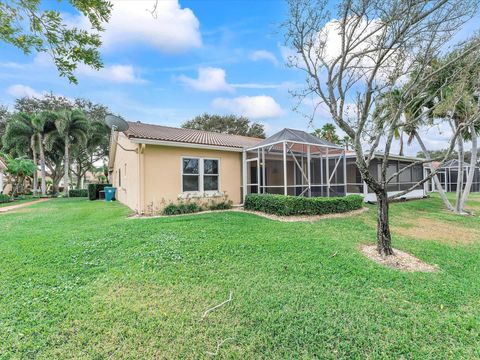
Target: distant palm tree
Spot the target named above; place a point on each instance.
(20, 137)
(72, 127)
(328, 132)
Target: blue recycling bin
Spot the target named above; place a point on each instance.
(109, 193)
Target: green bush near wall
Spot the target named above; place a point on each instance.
(94, 190)
(284, 205)
(182, 208)
(78, 193)
(4, 198)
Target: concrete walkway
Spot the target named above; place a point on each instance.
(13, 207)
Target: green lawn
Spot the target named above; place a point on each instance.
(80, 280)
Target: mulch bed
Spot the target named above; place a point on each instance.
(400, 260)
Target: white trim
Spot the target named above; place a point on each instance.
(292, 142)
(186, 145)
(200, 192)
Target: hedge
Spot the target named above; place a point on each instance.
(78, 193)
(4, 198)
(285, 205)
(182, 208)
(94, 190)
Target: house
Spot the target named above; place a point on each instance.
(3, 167)
(152, 166)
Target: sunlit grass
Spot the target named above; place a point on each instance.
(79, 279)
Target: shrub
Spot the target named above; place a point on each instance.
(4, 198)
(224, 205)
(78, 193)
(181, 208)
(94, 190)
(296, 205)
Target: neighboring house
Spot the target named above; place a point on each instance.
(152, 166)
(3, 167)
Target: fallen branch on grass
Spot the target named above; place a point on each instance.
(220, 343)
(230, 298)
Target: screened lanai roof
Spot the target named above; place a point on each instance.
(454, 164)
(294, 136)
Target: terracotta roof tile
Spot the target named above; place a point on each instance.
(165, 133)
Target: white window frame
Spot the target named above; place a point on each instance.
(201, 175)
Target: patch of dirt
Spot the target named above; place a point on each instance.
(18, 206)
(400, 260)
(430, 229)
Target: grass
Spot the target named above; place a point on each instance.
(80, 280)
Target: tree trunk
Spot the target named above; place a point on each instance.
(43, 172)
(400, 153)
(438, 185)
(384, 238)
(471, 172)
(79, 181)
(66, 178)
(35, 161)
(461, 164)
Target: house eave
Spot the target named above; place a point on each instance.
(183, 144)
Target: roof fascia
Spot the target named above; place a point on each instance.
(186, 145)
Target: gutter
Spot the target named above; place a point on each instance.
(186, 145)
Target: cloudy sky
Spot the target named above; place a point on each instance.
(193, 57)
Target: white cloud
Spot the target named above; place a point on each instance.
(169, 29)
(112, 73)
(264, 55)
(209, 79)
(254, 107)
(20, 90)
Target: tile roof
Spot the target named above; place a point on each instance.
(165, 133)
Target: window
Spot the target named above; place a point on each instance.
(200, 174)
(191, 174)
(119, 178)
(210, 175)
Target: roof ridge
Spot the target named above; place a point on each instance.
(186, 129)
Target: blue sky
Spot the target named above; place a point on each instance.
(197, 56)
(194, 56)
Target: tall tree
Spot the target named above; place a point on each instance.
(95, 149)
(365, 50)
(227, 124)
(43, 123)
(33, 26)
(72, 127)
(4, 114)
(83, 157)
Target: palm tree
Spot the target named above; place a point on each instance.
(21, 137)
(43, 123)
(328, 132)
(72, 127)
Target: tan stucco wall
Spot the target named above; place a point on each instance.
(151, 178)
(163, 176)
(128, 163)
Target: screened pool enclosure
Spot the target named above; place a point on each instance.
(293, 162)
(448, 177)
